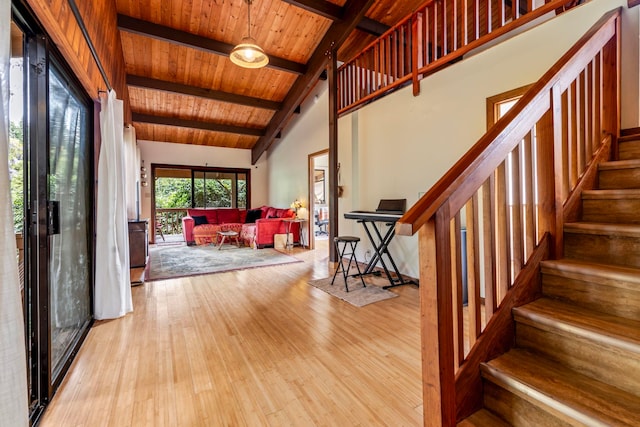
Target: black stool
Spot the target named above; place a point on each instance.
(352, 242)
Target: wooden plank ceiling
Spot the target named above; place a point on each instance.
(184, 89)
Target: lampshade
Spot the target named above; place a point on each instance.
(248, 54)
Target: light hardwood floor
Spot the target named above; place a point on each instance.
(257, 347)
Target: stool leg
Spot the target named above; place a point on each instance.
(353, 250)
(353, 259)
(340, 266)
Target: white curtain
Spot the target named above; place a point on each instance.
(132, 173)
(13, 372)
(112, 296)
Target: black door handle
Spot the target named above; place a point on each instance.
(53, 217)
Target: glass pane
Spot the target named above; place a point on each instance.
(172, 197)
(69, 185)
(220, 189)
(223, 189)
(198, 190)
(242, 190)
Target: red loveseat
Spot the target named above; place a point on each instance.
(201, 226)
(261, 233)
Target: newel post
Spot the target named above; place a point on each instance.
(437, 344)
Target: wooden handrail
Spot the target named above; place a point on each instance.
(499, 211)
(475, 165)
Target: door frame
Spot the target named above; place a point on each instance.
(39, 55)
(310, 169)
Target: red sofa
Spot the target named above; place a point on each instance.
(258, 234)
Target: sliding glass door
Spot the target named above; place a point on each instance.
(69, 210)
(53, 205)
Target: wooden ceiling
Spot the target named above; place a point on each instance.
(184, 89)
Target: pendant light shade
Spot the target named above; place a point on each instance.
(248, 54)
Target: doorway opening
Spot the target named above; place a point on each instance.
(318, 197)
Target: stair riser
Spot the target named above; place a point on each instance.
(612, 365)
(516, 410)
(603, 249)
(629, 150)
(611, 210)
(618, 301)
(619, 179)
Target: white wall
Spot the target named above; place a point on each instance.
(398, 146)
(199, 155)
(287, 161)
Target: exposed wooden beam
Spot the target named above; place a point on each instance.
(319, 7)
(183, 38)
(335, 13)
(217, 95)
(354, 10)
(195, 124)
(372, 27)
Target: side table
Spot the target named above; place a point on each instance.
(290, 221)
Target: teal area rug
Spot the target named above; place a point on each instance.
(167, 262)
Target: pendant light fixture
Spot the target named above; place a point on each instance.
(248, 54)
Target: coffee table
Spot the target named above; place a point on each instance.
(231, 235)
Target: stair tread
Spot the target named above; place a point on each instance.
(613, 275)
(585, 400)
(629, 138)
(571, 319)
(483, 418)
(586, 227)
(619, 164)
(628, 193)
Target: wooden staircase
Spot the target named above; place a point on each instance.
(576, 359)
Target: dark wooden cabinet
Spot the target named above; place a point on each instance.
(138, 243)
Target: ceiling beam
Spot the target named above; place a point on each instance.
(195, 124)
(171, 35)
(216, 95)
(335, 13)
(375, 28)
(354, 10)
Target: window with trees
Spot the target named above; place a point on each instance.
(176, 188)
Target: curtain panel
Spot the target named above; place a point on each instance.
(112, 296)
(13, 374)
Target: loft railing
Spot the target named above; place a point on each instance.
(511, 193)
(436, 34)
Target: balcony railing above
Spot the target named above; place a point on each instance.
(438, 33)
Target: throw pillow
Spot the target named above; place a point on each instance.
(199, 220)
(253, 215)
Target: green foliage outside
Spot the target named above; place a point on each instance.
(175, 193)
(16, 174)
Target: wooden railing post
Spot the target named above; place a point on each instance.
(414, 54)
(437, 371)
(431, 390)
(611, 89)
(549, 183)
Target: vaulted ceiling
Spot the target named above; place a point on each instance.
(184, 88)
